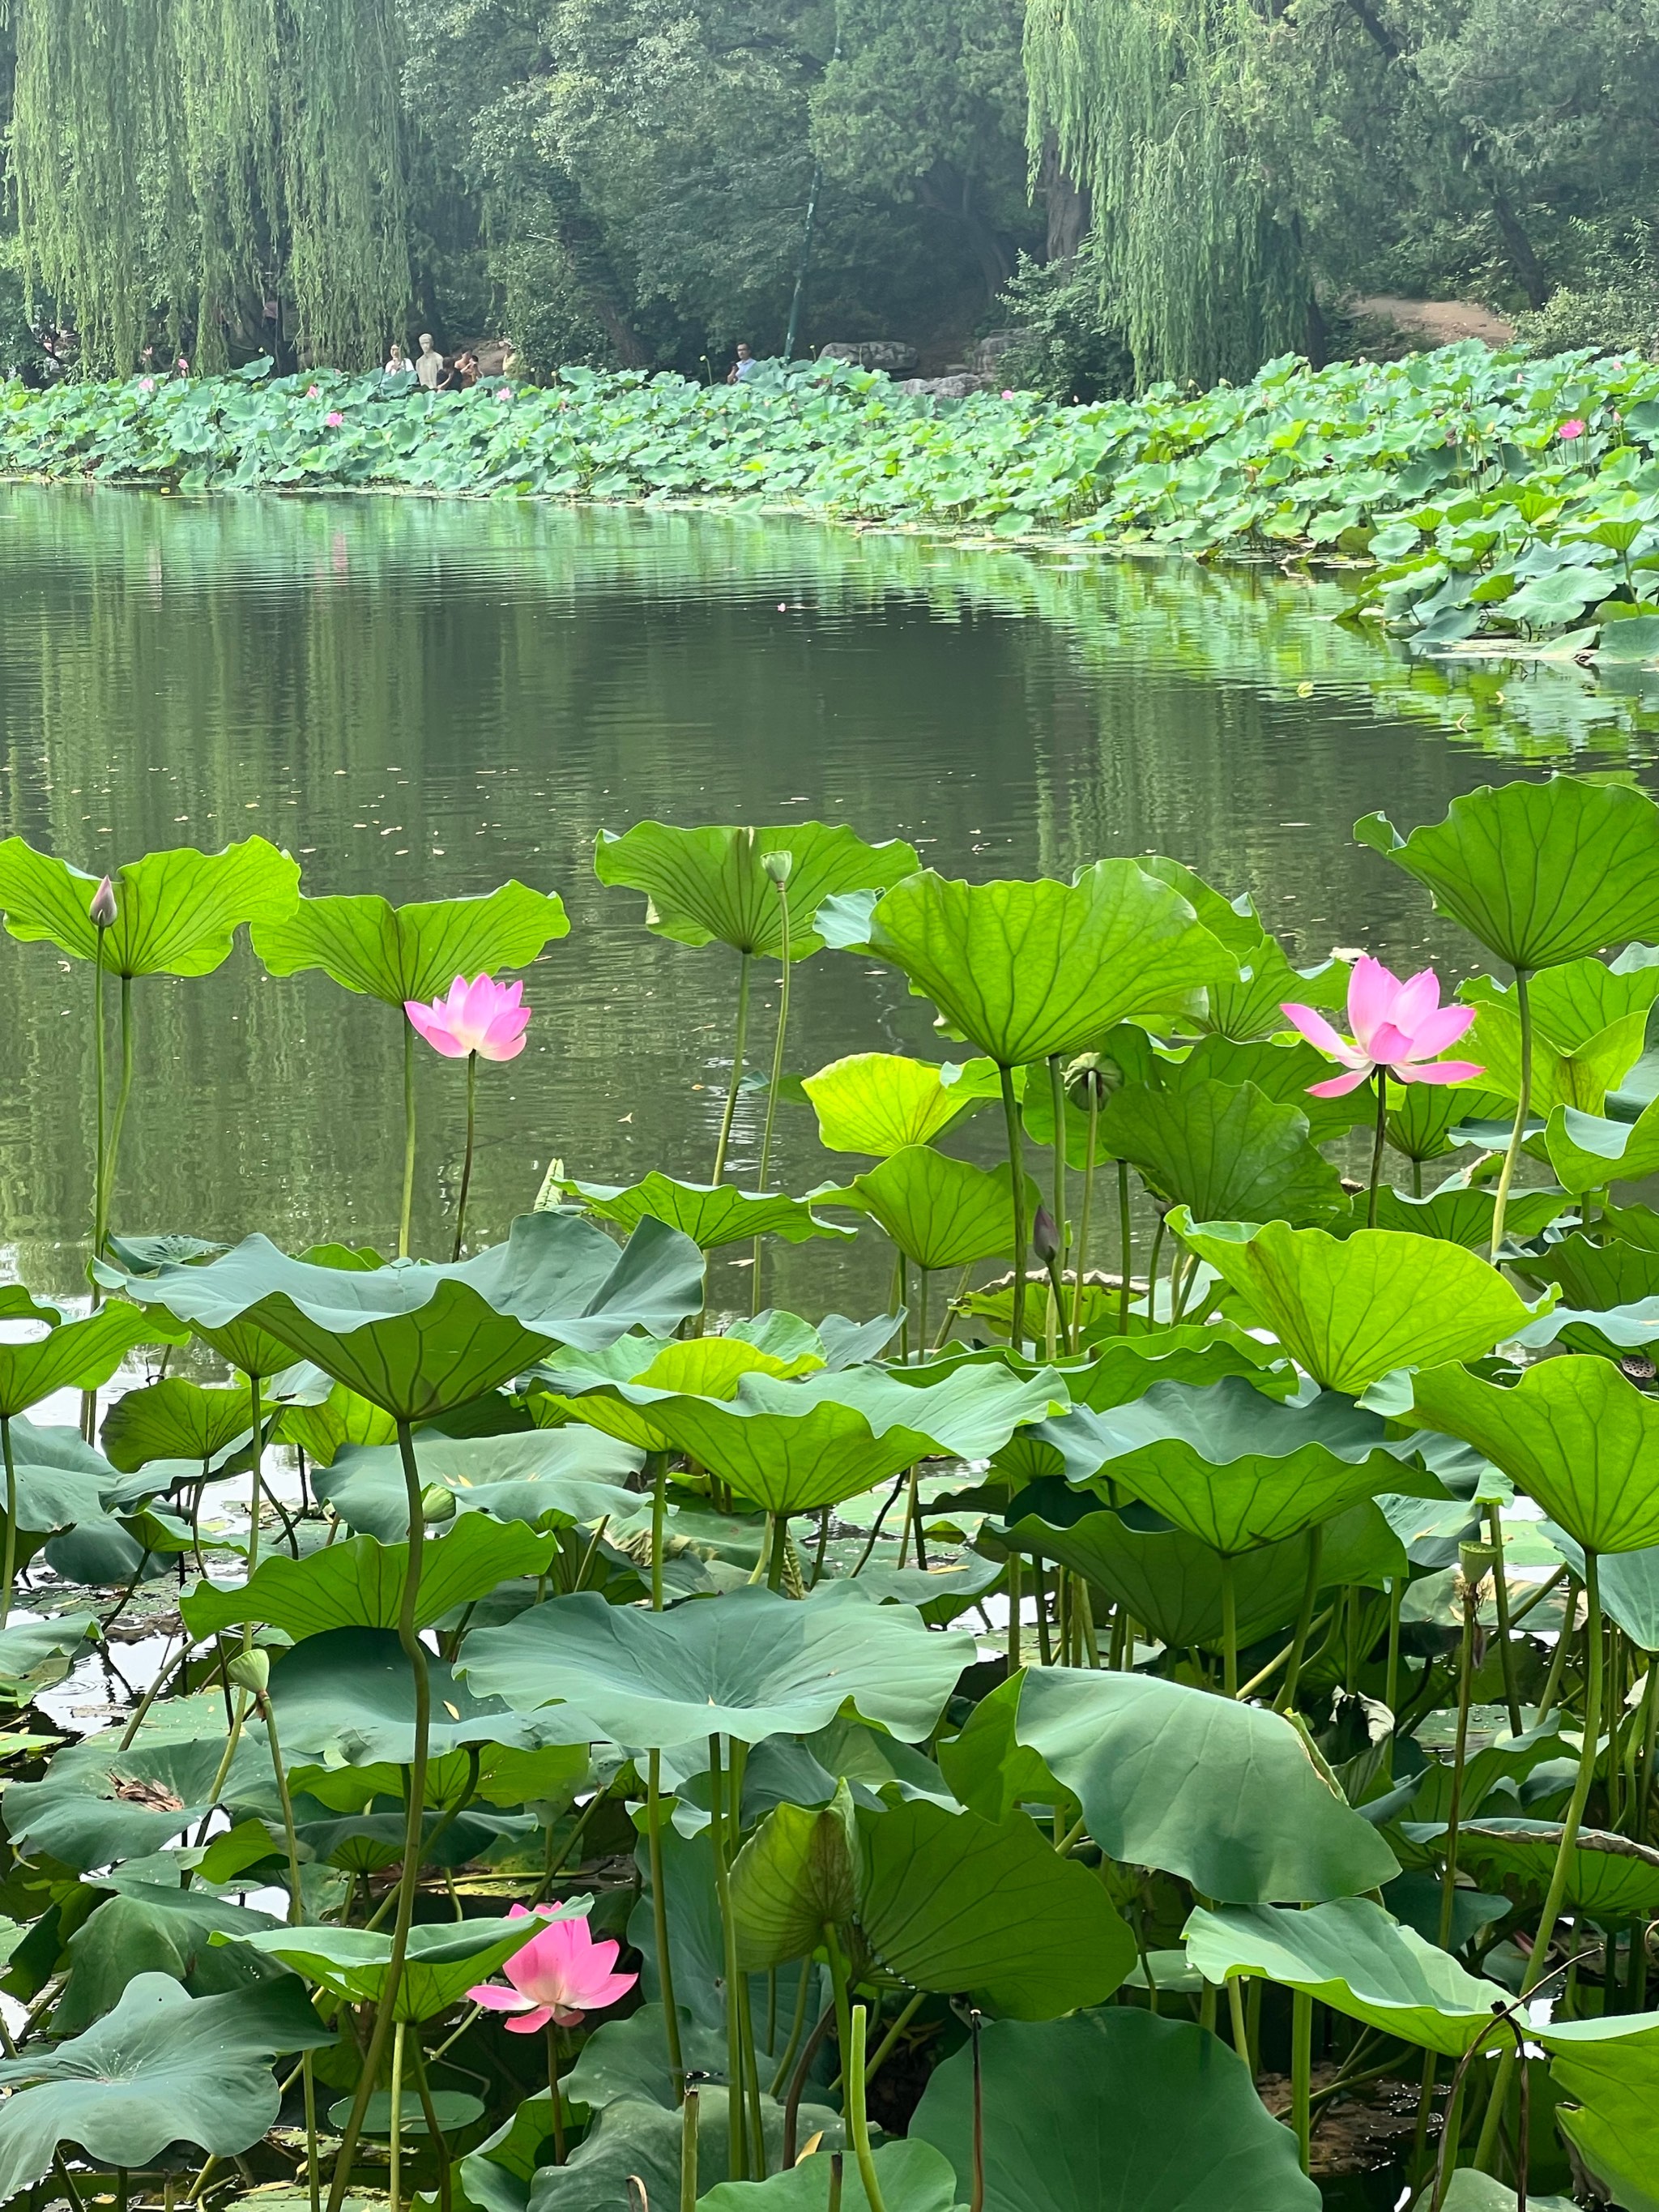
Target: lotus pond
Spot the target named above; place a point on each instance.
(941, 1543)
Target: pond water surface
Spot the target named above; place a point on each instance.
(423, 698)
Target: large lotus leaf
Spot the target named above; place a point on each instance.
(1422, 1115)
(1224, 1151)
(61, 1481)
(709, 885)
(445, 1958)
(161, 2067)
(1224, 1795)
(1459, 1213)
(940, 1212)
(1358, 1959)
(35, 1654)
(418, 1340)
(75, 1355)
(1171, 1583)
(955, 1903)
(549, 1478)
(395, 953)
(1580, 1079)
(710, 1214)
(636, 2140)
(878, 1103)
(911, 2177)
(1572, 1433)
(175, 1418)
(1469, 2191)
(1121, 1368)
(696, 1367)
(748, 1665)
(176, 912)
(797, 1873)
(1282, 1066)
(1629, 1584)
(359, 1583)
(1237, 1468)
(1593, 1274)
(1541, 872)
(1112, 2111)
(150, 1929)
(97, 1805)
(793, 1446)
(1610, 1878)
(343, 1417)
(1024, 969)
(1252, 1005)
(1581, 999)
(1587, 1152)
(1611, 2066)
(1352, 1310)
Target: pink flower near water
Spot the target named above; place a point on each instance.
(483, 1016)
(558, 1976)
(1570, 430)
(1007, 395)
(506, 392)
(314, 391)
(1397, 1026)
(147, 383)
(334, 418)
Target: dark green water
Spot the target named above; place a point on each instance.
(422, 698)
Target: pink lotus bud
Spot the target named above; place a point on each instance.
(314, 391)
(1572, 429)
(1045, 1235)
(102, 909)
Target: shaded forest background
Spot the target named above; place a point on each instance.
(1152, 189)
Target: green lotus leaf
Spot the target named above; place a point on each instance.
(1251, 1005)
(397, 952)
(97, 1805)
(359, 1583)
(1581, 1078)
(176, 1419)
(1469, 2191)
(1284, 1067)
(636, 2139)
(1541, 874)
(1580, 999)
(942, 1212)
(1358, 1959)
(61, 1481)
(1611, 1880)
(1593, 1274)
(419, 1341)
(444, 1959)
(1458, 1214)
(799, 1871)
(911, 2177)
(1224, 1795)
(1236, 1468)
(698, 1367)
(34, 1654)
(343, 1417)
(1608, 1332)
(1629, 1583)
(748, 1665)
(1024, 969)
(1611, 2066)
(1422, 1115)
(708, 885)
(161, 2067)
(148, 1929)
(1122, 1368)
(1572, 1433)
(1351, 1310)
(73, 1355)
(549, 1478)
(1226, 1151)
(142, 1256)
(954, 1903)
(1112, 2111)
(1587, 1152)
(878, 1102)
(176, 913)
(710, 1214)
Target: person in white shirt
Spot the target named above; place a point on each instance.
(429, 366)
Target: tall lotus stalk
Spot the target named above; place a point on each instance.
(1016, 1170)
(480, 1020)
(102, 911)
(1523, 1106)
(777, 867)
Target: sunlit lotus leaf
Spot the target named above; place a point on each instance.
(176, 912)
(395, 953)
(343, 1417)
(748, 1665)
(710, 1214)
(1581, 1000)
(62, 1482)
(1593, 1272)
(358, 1582)
(1421, 1115)
(1024, 969)
(142, 1255)
(638, 2140)
(1224, 1795)
(1610, 2066)
(1612, 1880)
(1588, 1152)
(549, 1479)
(1469, 2191)
(1121, 1368)
(1252, 1005)
(1541, 874)
(911, 2177)
(1581, 1078)
(801, 1868)
(176, 1419)
(1629, 1585)
(1226, 1151)
(1351, 1310)
(98, 1804)
(1460, 1214)
(878, 1103)
(1358, 1959)
(1112, 2111)
(35, 1654)
(697, 1367)
(942, 1212)
(1572, 1433)
(1282, 1066)
(161, 2067)
(418, 1340)
(446, 1958)
(72, 1355)
(708, 885)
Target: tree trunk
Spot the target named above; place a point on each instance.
(949, 192)
(1067, 204)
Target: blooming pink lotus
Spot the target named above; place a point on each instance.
(483, 1016)
(558, 1976)
(1397, 1026)
(1575, 428)
(334, 419)
(314, 391)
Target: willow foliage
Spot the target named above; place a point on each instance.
(1145, 101)
(186, 158)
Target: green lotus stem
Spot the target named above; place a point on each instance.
(409, 1880)
(904, 1308)
(394, 2187)
(1235, 2017)
(921, 1313)
(1022, 1231)
(842, 1997)
(1649, 1747)
(314, 2177)
(1377, 1144)
(658, 1463)
(1287, 1697)
(852, 2096)
(777, 1078)
(752, 2076)
(1124, 1227)
(1500, 1202)
(554, 2097)
(424, 2091)
(738, 1037)
(295, 1906)
(1015, 1565)
(9, 1570)
(777, 1530)
(101, 1159)
(1229, 1627)
(466, 1164)
(407, 1209)
(1080, 1266)
(885, 2048)
(1151, 1271)
(689, 2153)
(1057, 1101)
(1302, 2008)
(119, 1119)
(837, 2161)
(1459, 1755)
(738, 2149)
(1506, 1646)
(803, 1988)
(1551, 1688)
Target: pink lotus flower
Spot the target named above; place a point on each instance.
(1007, 395)
(483, 1016)
(334, 419)
(558, 1976)
(1397, 1026)
(506, 392)
(1573, 429)
(314, 391)
(147, 383)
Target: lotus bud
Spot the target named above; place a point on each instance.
(102, 909)
(1092, 1072)
(437, 1502)
(1475, 1562)
(1045, 1235)
(251, 1671)
(778, 866)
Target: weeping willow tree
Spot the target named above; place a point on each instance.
(1147, 103)
(180, 163)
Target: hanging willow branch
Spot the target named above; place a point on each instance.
(175, 160)
(1146, 100)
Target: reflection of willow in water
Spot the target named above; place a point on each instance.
(424, 697)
